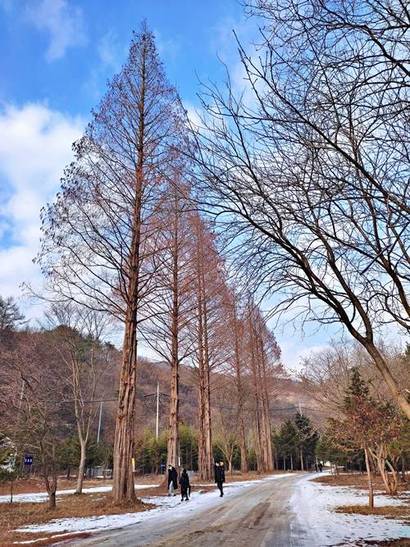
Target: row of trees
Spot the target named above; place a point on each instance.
(293, 446)
(124, 239)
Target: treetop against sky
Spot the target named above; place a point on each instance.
(56, 56)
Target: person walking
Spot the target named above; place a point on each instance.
(172, 480)
(220, 476)
(185, 486)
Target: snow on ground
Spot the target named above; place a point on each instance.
(38, 497)
(198, 501)
(314, 502)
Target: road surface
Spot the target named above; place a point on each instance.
(259, 514)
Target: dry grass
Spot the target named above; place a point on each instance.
(16, 515)
(32, 484)
(357, 480)
(390, 511)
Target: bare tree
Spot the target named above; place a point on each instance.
(308, 171)
(238, 332)
(33, 417)
(208, 350)
(76, 337)
(98, 238)
(171, 311)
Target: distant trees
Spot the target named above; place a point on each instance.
(34, 418)
(307, 170)
(8, 464)
(296, 443)
(307, 439)
(76, 340)
(10, 316)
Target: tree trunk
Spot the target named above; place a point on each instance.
(123, 479)
(301, 460)
(369, 478)
(207, 378)
(239, 392)
(81, 467)
(52, 500)
(173, 437)
(291, 462)
(172, 456)
(51, 487)
(205, 438)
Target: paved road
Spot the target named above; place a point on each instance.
(259, 514)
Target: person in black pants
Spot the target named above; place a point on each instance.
(220, 476)
(172, 480)
(185, 487)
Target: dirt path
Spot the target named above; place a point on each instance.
(256, 515)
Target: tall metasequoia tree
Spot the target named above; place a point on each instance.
(235, 335)
(98, 239)
(308, 169)
(170, 311)
(263, 355)
(209, 288)
(202, 334)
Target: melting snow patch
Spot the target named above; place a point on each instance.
(314, 504)
(39, 497)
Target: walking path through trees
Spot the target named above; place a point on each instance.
(282, 510)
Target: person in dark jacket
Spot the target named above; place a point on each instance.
(185, 486)
(172, 480)
(220, 476)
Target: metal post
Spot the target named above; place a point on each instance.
(99, 423)
(157, 417)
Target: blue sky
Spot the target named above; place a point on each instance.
(61, 52)
(55, 59)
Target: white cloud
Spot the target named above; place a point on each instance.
(63, 22)
(32, 158)
(296, 349)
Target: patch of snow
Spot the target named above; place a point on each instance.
(314, 504)
(38, 497)
(198, 502)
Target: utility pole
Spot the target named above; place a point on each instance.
(99, 423)
(158, 395)
(157, 416)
